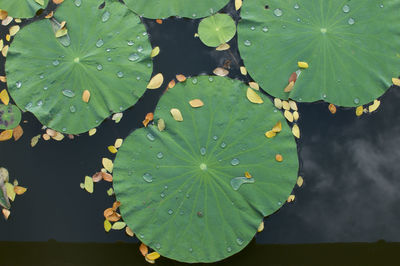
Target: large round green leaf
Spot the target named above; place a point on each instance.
(182, 8)
(352, 47)
(10, 116)
(180, 188)
(22, 8)
(217, 29)
(108, 55)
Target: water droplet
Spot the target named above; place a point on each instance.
(150, 137)
(137, 78)
(351, 21)
(120, 74)
(141, 235)
(64, 129)
(247, 43)
(210, 79)
(133, 57)
(223, 145)
(99, 43)
(72, 109)
(18, 84)
(78, 3)
(237, 182)
(109, 59)
(215, 138)
(68, 93)
(203, 151)
(229, 249)
(130, 43)
(148, 65)
(39, 103)
(140, 49)
(28, 106)
(187, 195)
(56, 63)
(106, 16)
(252, 28)
(298, 19)
(194, 80)
(194, 15)
(99, 67)
(323, 96)
(239, 241)
(235, 161)
(296, 6)
(381, 5)
(41, 76)
(162, 195)
(346, 8)
(356, 101)
(160, 155)
(265, 29)
(170, 211)
(278, 12)
(148, 177)
(45, 88)
(108, 50)
(182, 212)
(157, 246)
(190, 250)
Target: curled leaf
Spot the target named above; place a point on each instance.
(156, 81)
(373, 107)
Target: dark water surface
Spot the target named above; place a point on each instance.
(350, 166)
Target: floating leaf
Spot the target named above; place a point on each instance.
(176, 114)
(260, 227)
(107, 225)
(254, 85)
(180, 78)
(19, 190)
(6, 213)
(334, 44)
(156, 81)
(217, 29)
(118, 226)
(97, 177)
(86, 96)
(332, 108)
(300, 181)
(222, 72)
(110, 192)
(129, 232)
(396, 81)
(95, 59)
(143, 249)
(89, 184)
(92, 131)
(223, 47)
(156, 9)
(18, 132)
(153, 256)
(108, 164)
(196, 160)
(243, 70)
(6, 135)
(161, 124)
(21, 9)
(118, 143)
(359, 110)
(291, 198)
(195, 103)
(35, 140)
(278, 103)
(107, 177)
(10, 116)
(278, 127)
(238, 4)
(117, 117)
(253, 97)
(10, 191)
(296, 131)
(288, 115)
(373, 107)
(112, 149)
(270, 134)
(4, 97)
(155, 52)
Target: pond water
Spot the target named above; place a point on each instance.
(349, 164)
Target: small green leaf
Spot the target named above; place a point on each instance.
(89, 184)
(217, 29)
(10, 116)
(118, 225)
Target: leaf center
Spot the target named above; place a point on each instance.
(203, 166)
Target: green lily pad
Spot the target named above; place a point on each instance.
(4, 202)
(352, 48)
(183, 190)
(22, 8)
(217, 29)
(106, 52)
(10, 116)
(183, 8)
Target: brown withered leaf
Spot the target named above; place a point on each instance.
(18, 132)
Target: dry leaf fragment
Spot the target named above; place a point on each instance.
(359, 110)
(195, 103)
(176, 114)
(59, 136)
(243, 70)
(180, 78)
(159, 21)
(20, 190)
(107, 177)
(107, 226)
(293, 105)
(373, 107)
(288, 115)
(149, 117)
(108, 212)
(302, 65)
(161, 124)
(10, 191)
(260, 227)
(86, 96)
(89, 184)
(296, 131)
(3, 14)
(49, 15)
(18, 132)
(153, 255)
(278, 103)
(116, 205)
(129, 231)
(92, 131)
(396, 81)
(114, 217)
(332, 108)
(143, 249)
(4, 51)
(289, 87)
(6, 213)
(118, 143)
(253, 97)
(155, 52)
(254, 85)
(293, 77)
(108, 164)
(6, 135)
(57, 2)
(291, 198)
(171, 84)
(223, 47)
(222, 72)
(3, 78)
(118, 226)
(8, 37)
(51, 132)
(278, 127)
(247, 174)
(61, 32)
(300, 181)
(35, 140)
(97, 177)
(150, 261)
(4, 97)
(270, 134)
(156, 81)
(14, 29)
(279, 158)
(238, 4)
(110, 191)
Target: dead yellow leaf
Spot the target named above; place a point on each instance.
(260, 227)
(89, 184)
(20, 190)
(195, 103)
(278, 103)
(296, 131)
(253, 97)
(108, 164)
(3, 14)
(176, 114)
(373, 107)
(161, 124)
(8, 37)
(129, 232)
(156, 81)
(4, 97)
(57, 2)
(59, 136)
(254, 85)
(14, 29)
(61, 32)
(278, 127)
(291, 198)
(35, 140)
(180, 78)
(112, 149)
(116, 205)
(222, 72)
(285, 105)
(247, 174)
(6, 135)
(293, 105)
(296, 115)
(243, 70)
(155, 52)
(153, 256)
(92, 131)
(238, 4)
(300, 181)
(396, 81)
(86, 96)
(18, 132)
(289, 87)
(302, 65)
(270, 134)
(279, 158)
(223, 47)
(359, 110)
(332, 108)
(118, 143)
(107, 225)
(288, 115)
(3, 78)
(4, 51)
(171, 84)
(50, 14)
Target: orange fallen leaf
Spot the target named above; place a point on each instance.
(57, 2)
(97, 177)
(3, 14)
(332, 108)
(278, 127)
(50, 15)
(171, 84)
(18, 132)
(279, 158)
(159, 21)
(108, 212)
(114, 217)
(107, 177)
(180, 78)
(6, 135)
(6, 213)
(116, 204)
(19, 190)
(46, 137)
(86, 96)
(289, 87)
(143, 249)
(3, 79)
(129, 231)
